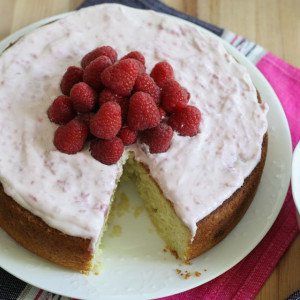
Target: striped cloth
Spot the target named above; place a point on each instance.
(244, 280)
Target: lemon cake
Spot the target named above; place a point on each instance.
(56, 205)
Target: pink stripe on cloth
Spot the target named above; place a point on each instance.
(285, 80)
(244, 280)
(234, 39)
(38, 294)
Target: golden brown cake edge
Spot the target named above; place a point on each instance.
(35, 235)
(217, 225)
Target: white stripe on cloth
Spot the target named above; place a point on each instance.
(252, 51)
(33, 293)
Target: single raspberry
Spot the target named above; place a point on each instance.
(107, 121)
(107, 152)
(104, 50)
(61, 111)
(186, 121)
(136, 55)
(161, 73)
(72, 76)
(107, 95)
(143, 112)
(120, 78)
(83, 97)
(158, 138)
(92, 73)
(127, 135)
(70, 138)
(145, 83)
(174, 97)
(162, 113)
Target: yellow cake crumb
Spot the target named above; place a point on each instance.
(197, 274)
(186, 274)
(116, 231)
(122, 206)
(138, 210)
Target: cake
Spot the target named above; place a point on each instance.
(56, 205)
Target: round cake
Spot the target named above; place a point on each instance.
(56, 205)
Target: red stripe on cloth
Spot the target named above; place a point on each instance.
(234, 39)
(38, 294)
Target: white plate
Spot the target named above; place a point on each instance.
(296, 179)
(135, 265)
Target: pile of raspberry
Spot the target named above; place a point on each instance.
(110, 103)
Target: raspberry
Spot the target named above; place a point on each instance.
(107, 95)
(70, 138)
(72, 76)
(145, 83)
(104, 50)
(174, 97)
(135, 55)
(186, 122)
(162, 113)
(158, 138)
(107, 152)
(107, 121)
(83, 97)
(161, 73)
(127, 135)
(120, 78)
(92, 73)
(143, 112)
(61, 111)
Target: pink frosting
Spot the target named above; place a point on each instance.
(72, 192)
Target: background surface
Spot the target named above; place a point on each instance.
(273, 24)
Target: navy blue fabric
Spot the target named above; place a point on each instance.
(295, 296)
(10, 286)
(160, 7)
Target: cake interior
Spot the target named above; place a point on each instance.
(169, 226)
(171, 229)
